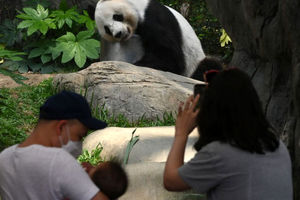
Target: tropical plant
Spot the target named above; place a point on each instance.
(36, 20)
(78, 47)
(53, 39)
(94, 158)
(10, 55)
(9, 33)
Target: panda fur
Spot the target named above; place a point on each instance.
(147, 33)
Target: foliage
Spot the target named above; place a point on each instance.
(16, 77)
(94, 158)
(78, 47)
(206, 26)
(131, 143)
(20, 112)
(52, 39)
(19, 117)
(36, 20)
(224, 39)
(10, 55)
(9, 33)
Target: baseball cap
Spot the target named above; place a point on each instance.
(69, 105)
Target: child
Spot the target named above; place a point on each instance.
(109, 176)
(207, 69)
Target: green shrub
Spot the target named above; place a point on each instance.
(206, 26)
(52, 39)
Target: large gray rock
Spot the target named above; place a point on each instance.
(129, 90)
(146, 161)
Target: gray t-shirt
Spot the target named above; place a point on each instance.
(228, 173)
(43, 173)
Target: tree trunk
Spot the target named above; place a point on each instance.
(266, 39)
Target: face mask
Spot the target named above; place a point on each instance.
(73, 147)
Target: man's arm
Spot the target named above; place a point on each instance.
(185, 123)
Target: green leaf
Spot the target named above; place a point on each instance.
(66, 38)
(80, 56)
(14, 66)
(23, 69)
(69, 22)
(16, 77)
(130, 145)
(41, 12)
(56, 52)
(35, 67)
(25, 24)
(31, 30)
(47, 70)
(45, 58)
(43, 28)
(68, 52)
(15, 58)
(31, 12)
(36, 52)
(83, 35)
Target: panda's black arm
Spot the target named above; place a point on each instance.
(162, 41)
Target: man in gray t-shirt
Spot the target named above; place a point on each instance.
(43, 166)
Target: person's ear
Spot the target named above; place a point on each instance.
(60, 126)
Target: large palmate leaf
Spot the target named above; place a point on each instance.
(79, 47)
(64, 17)
(85, 19)
(36, 20)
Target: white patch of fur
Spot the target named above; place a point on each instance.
(191, 46)
(104, 17)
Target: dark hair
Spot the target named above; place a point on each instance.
(208, 63)
(111, 179)
(231, 112)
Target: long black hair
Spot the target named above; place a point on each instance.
(231, 112)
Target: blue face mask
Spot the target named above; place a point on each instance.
(73, 147)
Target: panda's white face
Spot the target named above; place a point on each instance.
(116, 20)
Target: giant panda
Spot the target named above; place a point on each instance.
(147, 33)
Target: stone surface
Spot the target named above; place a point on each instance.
(146, 161)
(153, 146)
(126, 89)
(146, 183)
(266, 38)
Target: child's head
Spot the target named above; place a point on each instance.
(208, 68)
(111, 178)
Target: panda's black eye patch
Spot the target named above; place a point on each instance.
(118, 17)
(107, 30)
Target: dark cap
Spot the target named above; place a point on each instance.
(69, 105)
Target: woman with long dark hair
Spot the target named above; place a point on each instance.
(239, 156)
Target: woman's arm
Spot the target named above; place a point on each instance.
(185, 124)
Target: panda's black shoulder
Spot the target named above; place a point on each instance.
(159, 19)
(156, 10)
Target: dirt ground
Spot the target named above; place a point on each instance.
(33, 79)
